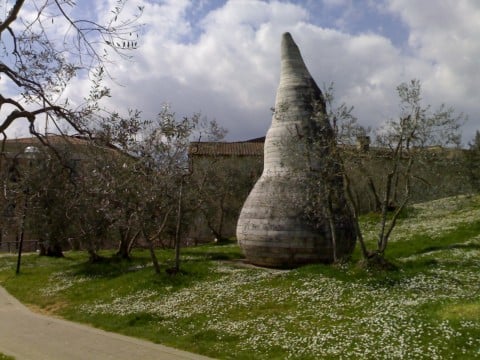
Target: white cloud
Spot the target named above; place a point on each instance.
(444, 37)
(335, 3)
(232, 67)
(226, 64)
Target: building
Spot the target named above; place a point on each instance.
(22, 157)
(439, 173)
(223, 175)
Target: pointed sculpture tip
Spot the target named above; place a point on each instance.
(287, 40)
(289, 47)
(293, 68)
(287, 36)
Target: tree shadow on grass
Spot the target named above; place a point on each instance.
(431, 257)
(212, 253)
(110, 267)
(464, 246)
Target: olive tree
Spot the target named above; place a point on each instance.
(51, 203)
(44, 45)
(144, 184)
(221, 185)
(407, 139)
(391, 168)
(472, 162)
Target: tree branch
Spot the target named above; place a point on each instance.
(12, 16)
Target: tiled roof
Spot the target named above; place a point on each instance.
(242, 148)
(51, 139)
(256, 140)
(77, 143)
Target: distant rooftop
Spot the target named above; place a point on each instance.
(252, 147)
(75, 143)
(52, 139)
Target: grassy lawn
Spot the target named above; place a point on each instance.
(428, 309)
(5, 357)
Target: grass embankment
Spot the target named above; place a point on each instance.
(429, 309)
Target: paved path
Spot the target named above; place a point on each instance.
(28, 335)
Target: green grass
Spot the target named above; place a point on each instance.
(428, 309)
(6, 357)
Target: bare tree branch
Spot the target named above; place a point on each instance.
(12, 16)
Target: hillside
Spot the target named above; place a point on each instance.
(428, 309)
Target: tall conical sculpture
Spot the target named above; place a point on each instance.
(280, 225)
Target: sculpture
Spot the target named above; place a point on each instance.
(273, 228)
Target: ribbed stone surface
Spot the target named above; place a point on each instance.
(272, 228)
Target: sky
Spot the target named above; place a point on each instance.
(221, 58)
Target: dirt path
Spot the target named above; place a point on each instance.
(27, 335)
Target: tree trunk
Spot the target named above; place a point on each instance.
(177, 230)
(123, 247)
(381, 243)
(355, 212)
(331, 224)
(393, 222)
(149, 240)
(221, 238)
(378, 203)
(94, 257)
(218, 236)
(54, 250)
(153, 256)
(132, 242)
